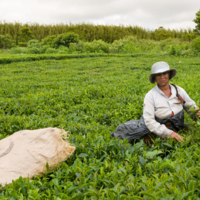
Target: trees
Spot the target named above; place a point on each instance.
(197, 21)
(25, 34)
(6, 41)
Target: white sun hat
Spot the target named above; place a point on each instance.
(161, 67)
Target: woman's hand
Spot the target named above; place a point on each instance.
(198, 113)
(176, 136)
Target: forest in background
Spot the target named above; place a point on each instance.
(35, 38)
(90, 32)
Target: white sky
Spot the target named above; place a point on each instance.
(152, 14)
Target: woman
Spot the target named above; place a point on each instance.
(162, 101)
(163, 114)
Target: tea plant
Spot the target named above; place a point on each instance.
(90, 96)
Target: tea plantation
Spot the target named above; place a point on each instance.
(89, 97)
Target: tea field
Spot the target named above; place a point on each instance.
(89, 97)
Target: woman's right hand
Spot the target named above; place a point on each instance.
(176, 136)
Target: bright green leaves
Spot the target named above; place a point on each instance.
(90, 97)
(151, 154)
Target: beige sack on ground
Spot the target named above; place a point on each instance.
(25, 153)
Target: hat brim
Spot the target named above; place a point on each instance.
(172, 74)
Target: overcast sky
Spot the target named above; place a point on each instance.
(149, 14)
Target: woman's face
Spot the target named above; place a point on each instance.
(162, 79)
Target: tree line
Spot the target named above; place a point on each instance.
(90, 32)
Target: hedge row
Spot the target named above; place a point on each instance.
(23, 58)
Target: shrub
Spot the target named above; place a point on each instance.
(48, 40)
(65, 39)
(18, 50)
(97, 46)
(196, 44)
(80, 47)
(187, 52)
(118, 45)
(51, 50)
(72, 48)
(172, 50)
(44, 48)
(6, 41)
(61, 52)
(33, 50)
(22, 44)
(63, 48)
(33, 43)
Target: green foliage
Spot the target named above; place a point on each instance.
(189, 37)
(65, 39)
(172, 50)
(118, 45)
(97, 46)
(127, 45)
(89, 97)
(43, 48)
(72, 48)
(196, 44)
(90, 32)
(22, 44)
(161, 34)
(25, 34)
(6, 41)
(50, 50)
(33, 50)
(15, 50)
(74, 29)
(63, 50)
(33, 43)
(48, 40)
(197, 21)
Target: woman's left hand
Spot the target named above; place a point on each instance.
(198, 113)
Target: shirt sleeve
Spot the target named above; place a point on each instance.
(149, 117)
(188, 101)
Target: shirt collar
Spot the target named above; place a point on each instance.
(173, 91)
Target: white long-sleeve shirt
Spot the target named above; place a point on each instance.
(156, 103)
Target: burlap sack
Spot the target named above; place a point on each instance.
(26, 153)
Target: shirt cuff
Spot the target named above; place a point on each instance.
(166, 133)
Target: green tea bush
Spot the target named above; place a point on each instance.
(89, 96)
